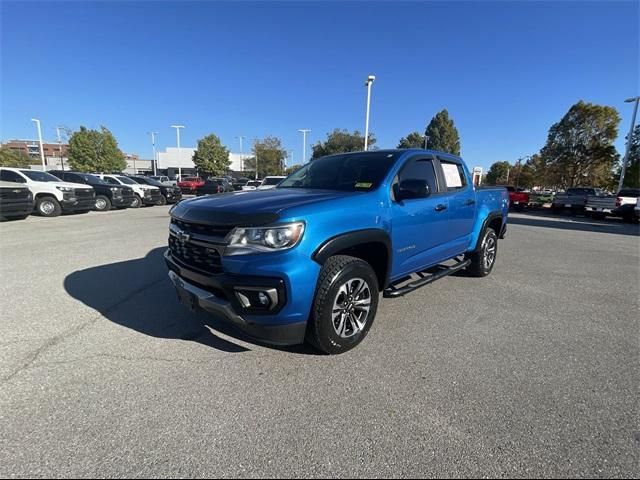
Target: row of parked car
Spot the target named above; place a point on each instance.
(591, 201)
(212, 185)
(24, 191)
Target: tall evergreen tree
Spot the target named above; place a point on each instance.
(442, 133)
(341, 141)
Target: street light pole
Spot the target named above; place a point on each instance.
(60, 147)
(241, 137)
(178, 127)
(626, 153)
(37, 122)
(255, 146)
(426, 141)
(368, 84)
(153, 145)
(304, 143)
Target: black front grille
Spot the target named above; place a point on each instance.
(14, 193)
(196, 256)
(219, 231)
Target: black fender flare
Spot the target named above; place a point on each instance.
(492, 216)
(353, 239)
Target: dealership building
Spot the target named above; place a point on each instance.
(173, 158)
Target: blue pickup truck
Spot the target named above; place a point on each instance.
(309, 259)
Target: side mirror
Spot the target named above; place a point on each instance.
(412, 188)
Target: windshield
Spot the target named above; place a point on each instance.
(126, 180)
(91, 179)
(191, 179)
(148, 181)
(40, 176)
(351, 172)
(272, 180)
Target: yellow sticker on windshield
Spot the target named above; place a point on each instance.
(364, 185)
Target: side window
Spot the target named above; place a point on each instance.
(73, 178)
(9, 176)
(420, 169)
(454, 175)
(111, 180)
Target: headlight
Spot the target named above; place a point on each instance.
(65, 189)
(115, 189)
(243, 241)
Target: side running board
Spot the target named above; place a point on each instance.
(396, 290)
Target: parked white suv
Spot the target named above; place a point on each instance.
(145, 194)
(270, 182)
(52, 196)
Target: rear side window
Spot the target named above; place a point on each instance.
(420, 169)
(454, 175)
(9, 176)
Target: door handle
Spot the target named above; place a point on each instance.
(469, 202)
(440, 207)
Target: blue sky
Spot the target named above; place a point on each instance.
(505, 70)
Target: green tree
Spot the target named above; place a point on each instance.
(211, 157)
(413, 140)
(270, 154)
(13, 158)
(341, 141)
(498, 173)
(579, 148)
(443, 135)
(95, 151)
(292, 169)
(632, 175)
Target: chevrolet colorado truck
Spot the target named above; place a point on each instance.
(52, 195)
(308, 259)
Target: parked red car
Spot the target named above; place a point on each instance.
(517, 200)
(190, 184)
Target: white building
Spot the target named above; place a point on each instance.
(172, 158)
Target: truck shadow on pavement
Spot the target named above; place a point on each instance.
(573, 222)
(137, 294)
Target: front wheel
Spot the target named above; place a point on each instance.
(484, 258)
(163, 200)
(345, 305)
(48, 207)
(103, 203)
(137, 202)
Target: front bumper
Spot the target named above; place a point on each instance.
(123, 201)
(79, 204)
(216, 295)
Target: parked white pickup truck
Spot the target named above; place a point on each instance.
(52, 196)
(620, 205)
(145, 194)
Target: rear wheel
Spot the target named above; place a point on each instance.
(345, 304)
(484, 258)
(48, 207)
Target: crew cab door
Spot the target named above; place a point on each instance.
(462, 201)
(418, 225)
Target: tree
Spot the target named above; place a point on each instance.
(270, 154)
(413, 140)
(632, 175)
(211, 156)
(292, 169)
(13, 158)
(443, 135)
(95, 151)
(341, 141)
(498, 173)
(579, 148)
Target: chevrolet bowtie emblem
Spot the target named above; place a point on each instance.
(182, 236)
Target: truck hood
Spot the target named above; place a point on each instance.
(252, 207)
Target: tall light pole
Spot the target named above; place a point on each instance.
(153, 145)
(241, 137)
(426, 141)
(304, 143)
(255, 146)
(37, 122)
(626, 153)
(178, 127)
(368, 84)
(60, 147)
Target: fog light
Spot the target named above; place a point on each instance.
(264, 300)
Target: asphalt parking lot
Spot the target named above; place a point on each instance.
(533, 371)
